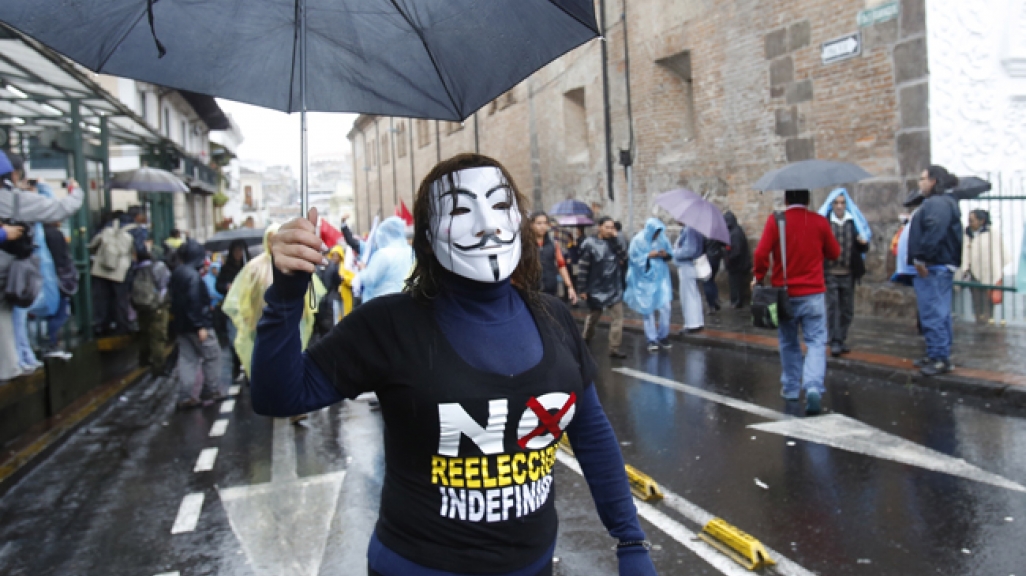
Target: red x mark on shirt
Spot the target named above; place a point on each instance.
(547, 422)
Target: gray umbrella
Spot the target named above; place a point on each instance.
(440, 59)
(811, 174)
(220, 241)
(970, 187)
(147, 180)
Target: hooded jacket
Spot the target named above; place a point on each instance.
(648, 279)
(935, 234)
(390, 262)
(190, 301)
(33, 208)
(600, 271)
(231, 267)
(738, 254)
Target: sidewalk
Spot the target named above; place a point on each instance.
(989, 360)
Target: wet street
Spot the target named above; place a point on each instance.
(891, 480)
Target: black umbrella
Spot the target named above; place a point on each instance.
(970, 187)
(219, 242)
(811, 174)
(147, 180)
(439, 59)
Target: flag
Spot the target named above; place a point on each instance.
(402, 212)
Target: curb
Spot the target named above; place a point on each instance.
(61, 426)
(1012, 393)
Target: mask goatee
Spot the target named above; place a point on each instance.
(494, 261)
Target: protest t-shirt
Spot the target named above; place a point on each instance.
(469, 455)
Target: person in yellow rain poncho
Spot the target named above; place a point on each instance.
(346, 259)
(244, 303)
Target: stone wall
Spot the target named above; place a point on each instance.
(721, 91)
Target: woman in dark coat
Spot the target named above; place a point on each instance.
(738, 259)
(238, 256)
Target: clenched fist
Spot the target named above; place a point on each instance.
(295, 247)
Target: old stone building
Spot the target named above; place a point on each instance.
(703, 94)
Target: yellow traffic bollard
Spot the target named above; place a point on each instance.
(737, 545)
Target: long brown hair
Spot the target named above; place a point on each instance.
(425, 281)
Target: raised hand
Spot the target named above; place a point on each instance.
(295, 247)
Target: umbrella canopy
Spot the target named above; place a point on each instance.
(571, 208)
(970, 187)
(811, 174)
(575, 220)
(147, 180)
(413, 58)
(219, 242)
(692, 210)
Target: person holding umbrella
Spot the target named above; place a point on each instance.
(471, 340)
(551, 257)
(851, 230)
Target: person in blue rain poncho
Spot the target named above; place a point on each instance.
(648, 282)
(390, 261)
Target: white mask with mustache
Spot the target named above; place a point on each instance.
(475, 224)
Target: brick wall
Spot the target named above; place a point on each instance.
(721, 92)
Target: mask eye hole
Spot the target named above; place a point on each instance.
(459, 211)
(502, 206)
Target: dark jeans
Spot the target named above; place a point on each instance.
(546, 571)
(738, 287)
(712, 291)
(110, 305)
(840, 297)
(56, 322)
(933, 295)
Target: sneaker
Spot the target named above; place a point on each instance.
(653, 346)
(665, 344)
(615, 353)
(812, 403)
(845, 349)
(788, 398)
(835, 349)
(919, 363)
(935, 368)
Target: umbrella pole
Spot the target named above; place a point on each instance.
(304, 197)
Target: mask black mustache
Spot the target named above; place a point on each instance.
(484, 240)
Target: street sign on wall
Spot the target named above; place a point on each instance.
(842, 48)
(881, 13)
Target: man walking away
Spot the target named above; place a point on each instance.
(935, 249)
(689, 246)
(810, 242)
(194, 324)
(844, 273)
(600, 279)
(149, 298)
(648, 282)
(113, 249)
(738, 258)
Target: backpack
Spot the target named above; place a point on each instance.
(144, 289)
(24, 282)
(109, 253)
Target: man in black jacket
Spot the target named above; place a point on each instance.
(194, 324)
(600, 279)
(935, 249)
(738, 258)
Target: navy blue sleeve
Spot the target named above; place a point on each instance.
(598, 452)
(285, 380)
(3, 235)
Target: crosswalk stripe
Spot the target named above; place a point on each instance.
(188, 513)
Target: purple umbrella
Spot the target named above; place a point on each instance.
(574, 220)
(692, 210)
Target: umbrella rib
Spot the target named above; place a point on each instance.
(583, 23)
(116, 45)
(295, 45)
(438, 71)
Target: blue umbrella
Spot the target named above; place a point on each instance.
(571, 208)
(413, 58)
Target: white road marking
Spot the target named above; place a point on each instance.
(175, 573)
(234, 390)
(712, 396)
(283, 451)
(219, 427)
(689, 539)
(227, 406)
(188, 513)
(206, 459)
(844, 433)
(839, 431)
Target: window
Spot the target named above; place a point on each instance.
(502, 102)
(248, 191)
(400, 140)
(423, 133)
(385, 152)
(453, 127)
(679, 65)
(575, 126)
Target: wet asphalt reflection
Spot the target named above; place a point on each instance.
(894, 480)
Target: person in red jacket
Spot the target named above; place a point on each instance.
(809, 242)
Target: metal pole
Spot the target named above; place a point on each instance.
(477, 141)
(304, 200)
(108, 203)
(630, 199)
(395, 160)
(80, 229)
(607, 118)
